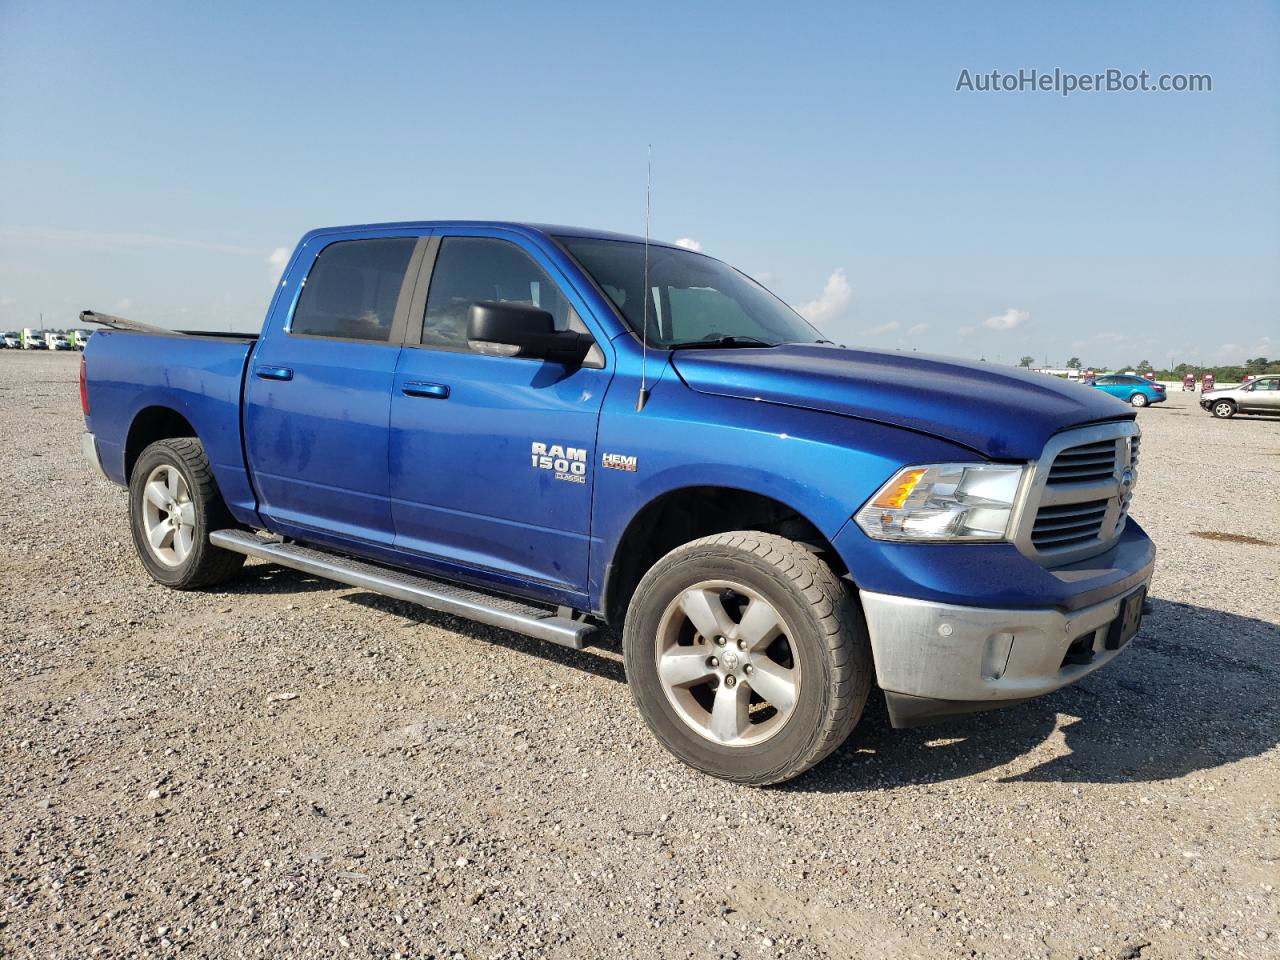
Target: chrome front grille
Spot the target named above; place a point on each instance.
(1090, 462)
(1068, 524)
(1078, 497)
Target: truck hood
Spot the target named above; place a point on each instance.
(1001, 412)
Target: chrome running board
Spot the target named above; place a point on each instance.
(496, 611)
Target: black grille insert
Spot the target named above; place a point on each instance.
(1085, 464)
(1068, 524)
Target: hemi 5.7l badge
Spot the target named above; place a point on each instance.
(618, 461)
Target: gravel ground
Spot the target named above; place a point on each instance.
(288, 768)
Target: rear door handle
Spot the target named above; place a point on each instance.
(430, 391)
(274, 373)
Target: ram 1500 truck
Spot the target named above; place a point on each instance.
(547, 429)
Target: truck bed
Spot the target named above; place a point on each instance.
(199, 375)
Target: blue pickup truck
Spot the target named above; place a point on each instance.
(549, 429)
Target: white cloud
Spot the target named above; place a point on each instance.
(689, 244)
(918, 329)
(8, 301)
(277, 260)
(965, 331)
(1011, 318)
(123, 305)
(883, 328)
(835, 297)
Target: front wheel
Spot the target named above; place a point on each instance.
(174, 505)
(1224, 409)
(1138, 400)
(747, 656)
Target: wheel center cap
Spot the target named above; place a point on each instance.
(730, 659)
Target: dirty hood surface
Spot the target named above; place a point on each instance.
(1001, 412)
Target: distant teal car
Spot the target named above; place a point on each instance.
(1137, 391)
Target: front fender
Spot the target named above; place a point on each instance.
(822, 466)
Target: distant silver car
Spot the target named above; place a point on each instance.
(1260, 396)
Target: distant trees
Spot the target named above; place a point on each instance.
(1074, 363)
(1144, 366)
(1026, 361)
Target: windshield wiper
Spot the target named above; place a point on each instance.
(720, 342)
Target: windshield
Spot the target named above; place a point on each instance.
(693, 300)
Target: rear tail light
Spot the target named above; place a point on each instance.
(1159, 388)
(84, 389)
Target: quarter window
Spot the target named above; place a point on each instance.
(470, 269)
(352, 290)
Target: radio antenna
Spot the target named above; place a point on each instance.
(643, 398)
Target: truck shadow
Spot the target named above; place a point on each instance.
(1195, 691)
(600, 658)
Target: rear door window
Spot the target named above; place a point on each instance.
(352, 290)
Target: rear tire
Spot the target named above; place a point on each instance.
(783, 648)
(174, 505)
(1138, 400)
(1223, 409)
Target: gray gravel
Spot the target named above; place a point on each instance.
(288, 768)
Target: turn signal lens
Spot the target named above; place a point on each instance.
(899, 489)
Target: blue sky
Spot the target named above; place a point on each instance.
(152, 159)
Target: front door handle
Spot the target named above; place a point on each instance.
(274, 373)
(429, 391)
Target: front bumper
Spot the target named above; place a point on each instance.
(934, 660)
(89, 450)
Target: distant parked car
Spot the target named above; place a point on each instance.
(1134, 390)
(1259, 396)
(10, 341)
(56, 341)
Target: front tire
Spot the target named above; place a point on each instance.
(747, 657)
(174, 505)
(1138, 400)
(1224, 409)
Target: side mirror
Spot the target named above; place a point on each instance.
(520, 330)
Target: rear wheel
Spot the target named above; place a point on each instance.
(174, 504)
(1138, 400)
(747, 656)
(1224, 409)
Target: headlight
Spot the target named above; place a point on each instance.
(944, 501)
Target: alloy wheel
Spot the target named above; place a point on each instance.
(726, 665)
(168, 515)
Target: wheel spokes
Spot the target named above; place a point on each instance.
(759, 626)
(680, 668)
(173, 481)
(774, 683)
(187, 514)
(706, 612)
(157, 494)
(182, 542)
(158, 534)
(729, 719)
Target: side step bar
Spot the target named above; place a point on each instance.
(496, 611)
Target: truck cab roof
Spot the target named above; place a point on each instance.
(543, 229)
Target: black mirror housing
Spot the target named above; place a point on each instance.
(521, 330)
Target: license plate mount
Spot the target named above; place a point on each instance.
(1125, 626)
